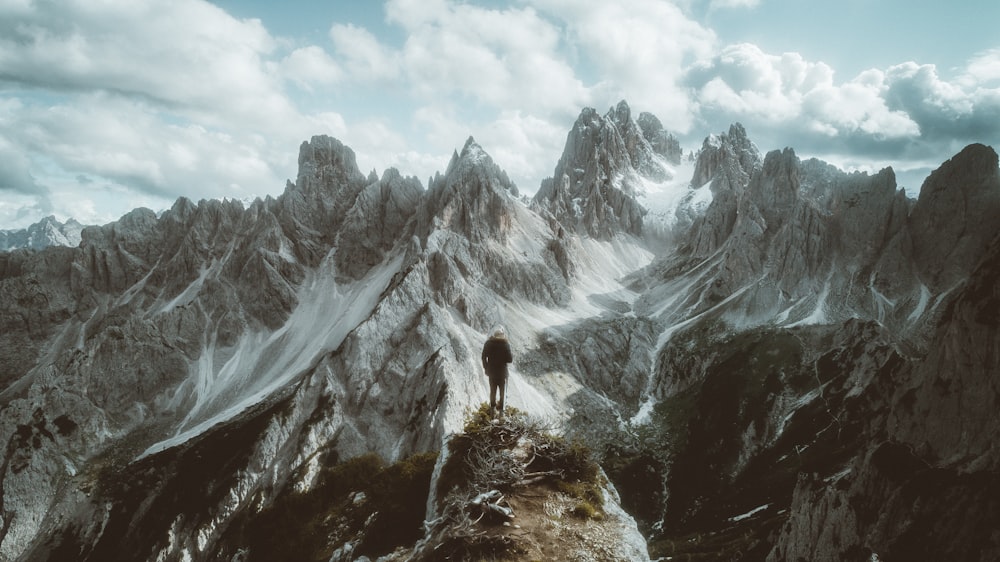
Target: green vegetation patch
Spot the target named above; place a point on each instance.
(379, 506)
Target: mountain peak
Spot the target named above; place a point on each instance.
(324, 160)
(472, 155)
(473, 159)
(472, 197)
(621, 115)
(603, 166)
(731, 153)
(471, 146)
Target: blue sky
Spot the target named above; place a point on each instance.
(106, 106)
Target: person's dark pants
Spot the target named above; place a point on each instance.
(497, 383)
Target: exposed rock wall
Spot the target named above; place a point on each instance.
(592, 191)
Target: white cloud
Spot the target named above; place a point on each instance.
(500, 58)
(727, 4)
(15, 170)
(364, 57)
(793, 94)
(182, 52)
(127, 142)
(151, 100)
(309, 66)
(525, 146)
(640, 50)
(963, 110)
(856, 107)
(984, 68)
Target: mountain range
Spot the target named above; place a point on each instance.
(771, 358)
(44, 233)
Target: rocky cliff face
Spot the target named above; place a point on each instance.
(803, 371)
(805, 243)
(923, 480)
(855, 430)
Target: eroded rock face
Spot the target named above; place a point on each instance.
(376, 222)
(955, 216)
(593, 188)
(730, 154)
(340, 318)
(807, 233)
(660, 140)
(892, 422)
(946, 410)
(727, 161)
(927, 465)
(137, 313)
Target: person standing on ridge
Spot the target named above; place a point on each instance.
(496, 356)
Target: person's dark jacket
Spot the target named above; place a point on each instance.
(496, 356)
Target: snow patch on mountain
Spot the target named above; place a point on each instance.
(666, 200)
(261, 363)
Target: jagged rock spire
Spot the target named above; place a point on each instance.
(473, 197)
(592, 191)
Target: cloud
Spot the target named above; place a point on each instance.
(497, 58)
(639, 49)
(365, 59)
(311, 66)
(151, 100)
(179, 53)
(727, 4)
(963, 110)
(794, 102)
(984, 68)
(907, 115)
(528, 146)
(15, 172)
(127, 142)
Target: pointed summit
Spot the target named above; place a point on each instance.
(732, 154)
(596, 180)
(473, 196)
(473, 159)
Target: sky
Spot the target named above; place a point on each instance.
(109, 105)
